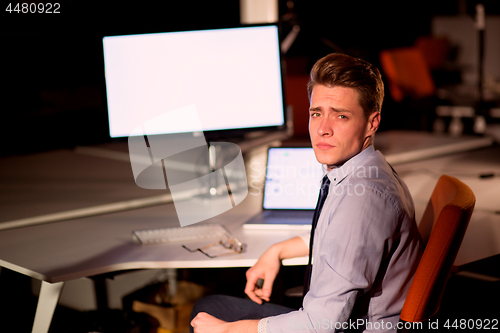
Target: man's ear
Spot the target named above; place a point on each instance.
(373, 123)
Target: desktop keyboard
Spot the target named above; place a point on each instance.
(179, 234)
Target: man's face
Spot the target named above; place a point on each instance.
(337, 125)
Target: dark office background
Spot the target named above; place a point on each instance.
(52, 71)
(52, 92)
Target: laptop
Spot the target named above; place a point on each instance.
(291, 189)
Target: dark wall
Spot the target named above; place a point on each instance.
(52, 73)
(52, 91)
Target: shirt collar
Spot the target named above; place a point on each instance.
(338, 174)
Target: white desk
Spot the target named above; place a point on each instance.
(46, 184)
(49, 183)
(482, 238)
(62, 251)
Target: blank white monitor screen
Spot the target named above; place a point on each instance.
(231, 76)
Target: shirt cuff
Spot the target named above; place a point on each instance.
(262, 327)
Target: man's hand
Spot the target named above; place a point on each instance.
(203, 322)
(268, 266)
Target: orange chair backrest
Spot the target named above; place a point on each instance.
(407, 73)
(434, 49)
(442, 227)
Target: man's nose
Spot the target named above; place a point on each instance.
(325, 128)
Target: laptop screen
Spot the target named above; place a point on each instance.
(293, 179)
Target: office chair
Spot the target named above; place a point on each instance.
(441, 57)
(435, 50)
(442, 227)
(411, 87)
(408, 73)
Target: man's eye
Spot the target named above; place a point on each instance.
(341, 116)
(315, 114)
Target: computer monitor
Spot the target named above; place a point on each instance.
(232, 77)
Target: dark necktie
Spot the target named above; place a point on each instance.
(325, 185)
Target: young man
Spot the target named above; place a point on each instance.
(366, 245)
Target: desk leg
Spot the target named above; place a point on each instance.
(172, 281)
(47, 301)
